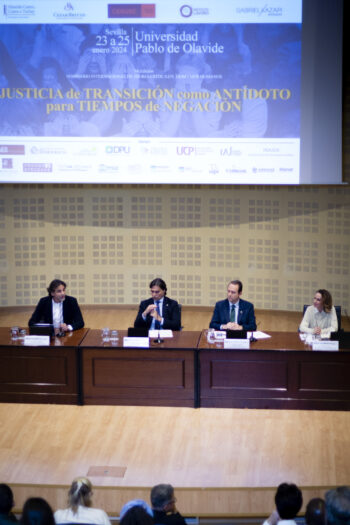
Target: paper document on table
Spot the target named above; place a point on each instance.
(163, 334)
(258, 335)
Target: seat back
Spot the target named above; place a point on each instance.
(180, 308)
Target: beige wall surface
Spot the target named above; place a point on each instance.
(108, 242)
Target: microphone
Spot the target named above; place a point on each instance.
(158, 340)
(252, 339)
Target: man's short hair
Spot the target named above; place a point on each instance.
(338, 506)
(161, 495)
(239, 283)
(289, 500)
(159, 282)
(55, 284)
(6, 498)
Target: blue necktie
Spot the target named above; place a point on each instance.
(157, 323)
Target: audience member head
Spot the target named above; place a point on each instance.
(54, 285)
(36, 511)
(338, 506)
(162, 497)
(6, 498)
(136, 512)
(80, 493)
(315, 513)
(289, 500)
(323, 300)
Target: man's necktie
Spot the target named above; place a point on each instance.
(157, 323)
(233, 314)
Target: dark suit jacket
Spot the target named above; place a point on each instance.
(71, 312)
(171, 314)
(246, 316)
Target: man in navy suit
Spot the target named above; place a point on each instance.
(158, 312)
(233, 313)
(58, 309)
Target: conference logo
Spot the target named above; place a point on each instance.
(134, 169)
(88, 150)
(38, 167)
(108, 168)
(160, 169)
(263, 170)
(82, 168)
(185, 150)
(7, 164)
(156, 151)
(118, 150)
(193, 150)
(131, 10)
(69, 13)
(11, 149)
(266, 10)
(230, 152)
(186, 11)
(213, 169)
(232, 171)
(190, 170)
(35, 150)
(18, 11)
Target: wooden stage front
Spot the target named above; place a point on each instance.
(223, 462)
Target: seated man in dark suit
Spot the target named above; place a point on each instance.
(233, 313)
(58, 309)
(158, 312)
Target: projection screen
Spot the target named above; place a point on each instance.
(224, 92)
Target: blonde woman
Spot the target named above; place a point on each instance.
(79, 506)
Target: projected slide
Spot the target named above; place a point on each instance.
(132, 94)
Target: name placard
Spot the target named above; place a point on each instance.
(241, 344)
(163, 334)
(136, 342)
(36, 340)
(325, 345)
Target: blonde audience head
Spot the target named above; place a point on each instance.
(80, 493)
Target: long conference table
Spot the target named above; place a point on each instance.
(280, 372)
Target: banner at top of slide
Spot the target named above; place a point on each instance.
(157, 11)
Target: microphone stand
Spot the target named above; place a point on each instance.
(158, 340)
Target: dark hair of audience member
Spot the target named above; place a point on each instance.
(6, 498)
(338, 506)
(137, 516)
(315, 513)
(37, 511)
(79, 493)
(288, 500)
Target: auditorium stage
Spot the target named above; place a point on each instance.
(223, 462)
